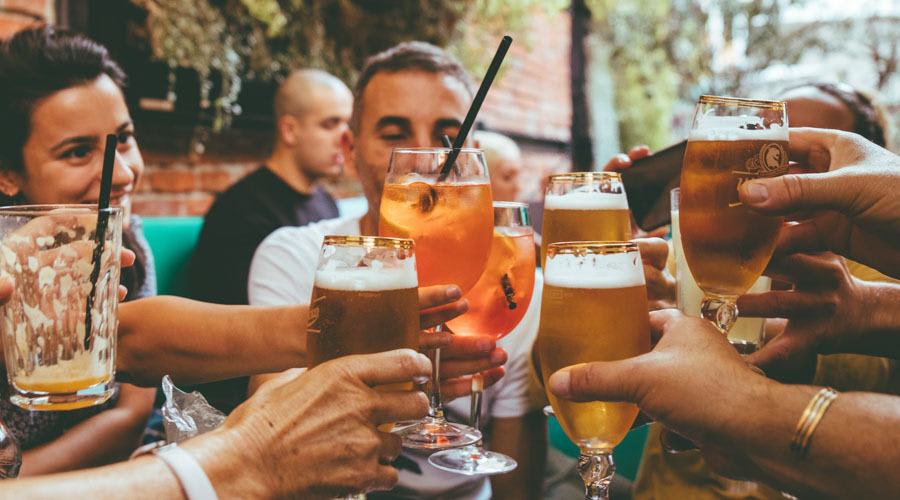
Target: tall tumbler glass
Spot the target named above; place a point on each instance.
(59, 327)
(726, 244)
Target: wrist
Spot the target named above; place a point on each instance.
(880, 320)
(220, 456)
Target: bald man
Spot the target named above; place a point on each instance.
(312, 109)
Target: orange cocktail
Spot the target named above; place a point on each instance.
(450, 224)
(500, 298)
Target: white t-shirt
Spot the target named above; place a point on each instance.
(283, 271)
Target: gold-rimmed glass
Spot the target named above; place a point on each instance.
(585, 206)
(726, 244)
(593, 308)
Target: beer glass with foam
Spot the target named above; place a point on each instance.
(594, 308)
(726, 244)
(585, 206)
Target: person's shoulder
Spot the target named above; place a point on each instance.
(243, 192)
(312, 232)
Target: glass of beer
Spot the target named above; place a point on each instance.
(585, 206)
(497, 304)
(727, 245)
(594, 308)
(747, 333)
(59, 326)
(451, 220)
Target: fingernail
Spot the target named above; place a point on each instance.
(485, 345)
(423, 358)
(559, 383)
(453, 292)
(498, 356)
(623, 158)
(755, 192)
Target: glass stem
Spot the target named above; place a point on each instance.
(436, 408)
(721, 311)
(596, 468)
(477, 396)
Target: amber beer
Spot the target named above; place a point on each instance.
(585, 206)
(594, 308)
(363, 309)
(727, 244)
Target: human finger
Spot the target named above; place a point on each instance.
(638, 152)
(434, 340)
(396, 406)
(618, 162)
(654, 251)
(462, 386)
(458, 367)
(400, 365)
(438, 295)
(781, 304)
(390, 448)
(469, 347)
(386, 478)
(430, 318)
(598, 381)
(126, 258)
(824, 269)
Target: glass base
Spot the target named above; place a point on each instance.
(472, 461)
(436, 434)
(43, 401)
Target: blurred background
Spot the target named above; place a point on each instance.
(585, 79)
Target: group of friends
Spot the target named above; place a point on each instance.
(313, 433)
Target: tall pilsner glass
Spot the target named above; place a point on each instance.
(451, 220)
(727, 245)
(365, 300)
(585, 206)
(594, 308)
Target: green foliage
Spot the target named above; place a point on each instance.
(265, 39)
(661, 52)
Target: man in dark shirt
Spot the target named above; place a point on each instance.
(312, 110)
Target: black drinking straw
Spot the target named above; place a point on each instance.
(109, 159)
(476, 106)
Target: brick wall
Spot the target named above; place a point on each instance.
(531, 102)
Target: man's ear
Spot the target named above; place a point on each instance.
(348, 147)
(287, 130)
(10, 183)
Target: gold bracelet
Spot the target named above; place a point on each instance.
(810, 419)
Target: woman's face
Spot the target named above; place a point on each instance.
(63, 156)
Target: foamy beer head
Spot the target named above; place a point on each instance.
(364, 298)
(585, 206)
(727, 245)
(594, 308)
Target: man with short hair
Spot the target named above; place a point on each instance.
(312, 109)
(410, 96)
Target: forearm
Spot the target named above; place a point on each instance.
(107, 437)
(148, 477)
(883, 318)
(853, 452)
(144, 478)
(196, 342)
